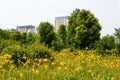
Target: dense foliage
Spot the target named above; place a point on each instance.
(62, 34)
(4, 34)
(106, 43)
(17, 52)
(83, 29)
(117, 36)
(60, 42)
(46, 33)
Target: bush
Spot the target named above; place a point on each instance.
(38, 50)
(114, 52)
(5, 43)
(118, 48)
(105, 44)
(19, 54)
(57, 45)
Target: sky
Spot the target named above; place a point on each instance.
(31, 12)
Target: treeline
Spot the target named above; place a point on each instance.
(82, 32)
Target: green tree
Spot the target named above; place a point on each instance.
(30, 38)
(4, 34)
(106, 43)
(23, 39)
(72, 24)
(46, 33)
(83, 29)
(62, 34)
(117, 38)
(16, 36)
(57, 44)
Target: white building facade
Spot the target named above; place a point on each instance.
(26, 29)
(60, 20)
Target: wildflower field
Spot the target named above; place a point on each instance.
(65, 65)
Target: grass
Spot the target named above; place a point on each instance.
(77, 65)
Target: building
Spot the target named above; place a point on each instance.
(27, 28)
(60, 20)
(37, 29)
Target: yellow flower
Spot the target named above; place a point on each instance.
(59, 68)
(3, 63)
(3, 70)
(66, 68)
(33, 69)
(24, 57)
(113, 78)
(62, 63)
(46, 66)
(83, 61)
(12, 67)
(45, 60)
(7, 56)
(36, 72)
(89, 71)
(39, 61)
(78, 68)
(21, 75)
(92, 65)
(53, 63)
(71, 75)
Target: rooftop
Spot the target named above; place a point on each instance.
(61, 17)
(26, 26)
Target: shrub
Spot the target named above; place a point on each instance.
(57, 45)
(117, 38)
(118, 48)
(6, 43)
(105, 44)
(19, 54)
(114, 52)
(38, 50)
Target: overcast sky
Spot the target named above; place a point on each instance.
(31, 12)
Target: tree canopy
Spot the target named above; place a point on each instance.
(46, 33)
(62, 33)
(83, 29)
(117, 36)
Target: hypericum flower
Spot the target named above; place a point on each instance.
(7, 56)
(12, 67)
(33, 69)
(36, 72)
(62, 63)
(59, 68)
(3, 70)
(78, 68)
(89, 71)
(45, 60)
(21, 75)
(71, 75)
(3, 63)
(24, 57)
(39, 61)
(113, 78)
(46, 66)
(66, 68)
(92, 65)
(53, 63)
